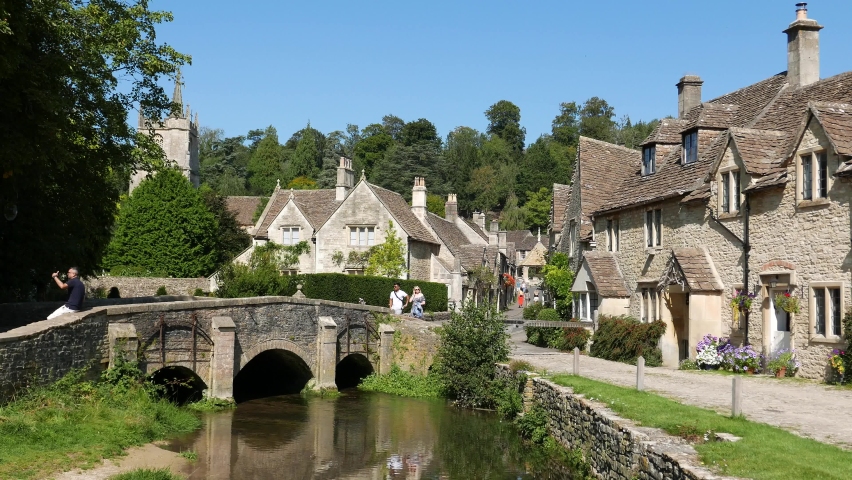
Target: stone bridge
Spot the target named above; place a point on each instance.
(242, 348)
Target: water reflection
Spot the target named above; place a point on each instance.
(355, 436)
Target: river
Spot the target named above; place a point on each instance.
(359, 435)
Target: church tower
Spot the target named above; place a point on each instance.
(177, 134)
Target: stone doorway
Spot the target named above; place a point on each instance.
(779, 324)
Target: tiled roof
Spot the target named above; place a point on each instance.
(605, 274)
(448, 232)
(836, 120)
(696, 269)
(476, 229)
(536, 257)
(316, 205)
(762, 151)
(771, 180)
(602, 166)
(711, 115)
(471, 256)
(667, 131)
(400, 209)
(243, 209)
(561, 197)
(699, 194)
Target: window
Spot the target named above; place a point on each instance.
(289, 235)
(523, 254)
(362, 236)
(729, 196)
(815, 179)
(653, 227)
(827, 309)
(649, 160)
(612, 235)
(585, 305)
(355, 271)
(690, 147)
(648, 305)
(289, 272)
(572, 236)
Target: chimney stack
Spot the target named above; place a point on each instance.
(802, 49)
(501, 241)
(418, 198)
(451, 208)
(492, 231)
(479, 220)
(345, 179)
(688, 94)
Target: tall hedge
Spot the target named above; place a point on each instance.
(624, 339)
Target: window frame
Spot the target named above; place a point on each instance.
(649, 304)
(729, 194)
(649, 159)
(653, 227)
(832, 323)
(689, 147)
(613, 234)
(287, 238)
(357, 233)
(814, 178)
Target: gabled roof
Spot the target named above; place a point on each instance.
(536, 257)
(315, 205)
(561, 197)
(762, 151)
(836, 121)
(448, 233)
(476, 229)
(711, 115)
(606, 275)
(602, 168)
(400, 209)
(471, 256)
(691, 267)
(243, 208)
(668, 131)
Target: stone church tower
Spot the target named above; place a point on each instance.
(178, 135)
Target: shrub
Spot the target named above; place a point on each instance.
(533, 425)
(571, 337)
(401, 383)
(161, 290)
(198, 293)
(548, 315)
(471, 343)
(624, 339)
(543, 336)
(687, 364)
(531, 312)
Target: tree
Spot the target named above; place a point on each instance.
(504, 121)
(435, 204)
(512, 217)
(400, 164)
(372, 147)
(463, 153)
(388, 258)
(539, 168)
(596, 120)
(230, 238)
(566, 126)
(537, 208)
(165, 228)
(393, 126)
(631, 134)
(418, 132)
(558, 280)
(264, 167)
(306, 156)
(302, 183)
(64, 129)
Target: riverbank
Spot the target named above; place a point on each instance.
(150, 455)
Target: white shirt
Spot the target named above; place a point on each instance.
(397, 298)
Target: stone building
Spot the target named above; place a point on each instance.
(745, 192)
(177, 134)
(243, 208)
(339, 224)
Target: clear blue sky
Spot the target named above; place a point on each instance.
(260, 63)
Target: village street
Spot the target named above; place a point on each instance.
(766, 400)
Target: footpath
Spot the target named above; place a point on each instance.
(809, 409)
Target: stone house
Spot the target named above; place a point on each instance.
(525, 242)
(355, 216)
(243, 208)
(745, 192)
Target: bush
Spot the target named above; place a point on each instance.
(624, 339)
(533, 425)
(198, 293)
(471, 343)
(531, 312)
(403, 384)
(548, 315)
(161, 290)
(573, 337)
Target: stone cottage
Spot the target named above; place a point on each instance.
(746, 192)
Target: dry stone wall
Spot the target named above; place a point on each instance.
(144, 286)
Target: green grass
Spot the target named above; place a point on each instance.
(189, 455)
(147, 474)
(75, 423)
(765, 452)
(403, 384)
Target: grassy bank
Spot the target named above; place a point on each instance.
(404, 384)
(75, 423)
(765, 452)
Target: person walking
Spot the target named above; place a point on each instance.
(397, 299)
(417, 300)
(76, 292)
(520, 299)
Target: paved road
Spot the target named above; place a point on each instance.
(809, 409)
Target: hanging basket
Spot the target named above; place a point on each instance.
(787, 302)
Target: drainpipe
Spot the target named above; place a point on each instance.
(746, 255)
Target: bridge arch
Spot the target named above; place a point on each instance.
(179, 384)
(270, 368)
(351, 369)
(277, 344)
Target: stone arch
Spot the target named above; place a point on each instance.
(277, 344)
(775, 264)
(351, 369)
(180, 383)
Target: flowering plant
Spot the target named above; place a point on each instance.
(835, 360)
(740, 359)
(784, 359)
(741, 303)
(787, 302)
(508, 280)
(708, 351)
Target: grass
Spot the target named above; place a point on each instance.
(76, 423)
(147, 474)
(403, 384)
(765, 452)
(189, 455)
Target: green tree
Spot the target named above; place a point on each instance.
(388, 258)
(165, 228)
(302, 183)
(264, 166)
(558, 280)
(566, 126)
(306, 155)
(418, 132)
(64, 130)
(463, 154)
(537, 208)
(471, 343)
(400, 164)
(539, 168)
(504, 121)
(596, 120)
(230, 238)
(371, 149)
(435, 204)
(393, 126)
(631, 134)
(512, 217)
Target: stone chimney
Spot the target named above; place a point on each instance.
(501, 241)
(802, 49)
(418, 198)
(479, 220)
(451, 208)
(492, 231)
(688, 94)
(345, 179)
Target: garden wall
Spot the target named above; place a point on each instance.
(614, 447)
(145, 286)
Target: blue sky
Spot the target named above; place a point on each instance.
(258, 63)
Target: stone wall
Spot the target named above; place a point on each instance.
(145, 286)
(415, 344)
(614, 447)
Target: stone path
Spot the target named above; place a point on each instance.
(808, 409)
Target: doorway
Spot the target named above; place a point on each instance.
(779, 325)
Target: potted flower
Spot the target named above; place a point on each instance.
(787, 302)
(783, 364)
(708, 356)
(743, 359)
(741, 303)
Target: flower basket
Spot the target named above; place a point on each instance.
(782, 362)
(787, 302)
(741, 303)
(508, 280)
(781, 372)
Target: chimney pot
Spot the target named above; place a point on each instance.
(801, 11)
(418, 198)
(451, 208)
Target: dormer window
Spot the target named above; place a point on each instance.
(649, 159)
(690, 147)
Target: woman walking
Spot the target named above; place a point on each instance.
(418, 300)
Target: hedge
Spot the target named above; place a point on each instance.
(340, 287)
(624, 339)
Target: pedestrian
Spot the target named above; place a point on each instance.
(521, 299)
(524, 286)
(76, 292)
(417, 301)
(397, 299)
(535, 297)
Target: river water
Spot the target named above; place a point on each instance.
(359, 435)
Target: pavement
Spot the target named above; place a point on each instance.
(807, 408)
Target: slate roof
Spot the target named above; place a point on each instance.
(448, 233)
(243, 209)
(476, 229)
(668, 131)
(711, 115)
(316, 205)
(561, 197)
(471, 256)
(836, 120)
(400, 209)
(606, 274)
(536, 257)
(602, 167)
(696, 268)
(762, 151)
